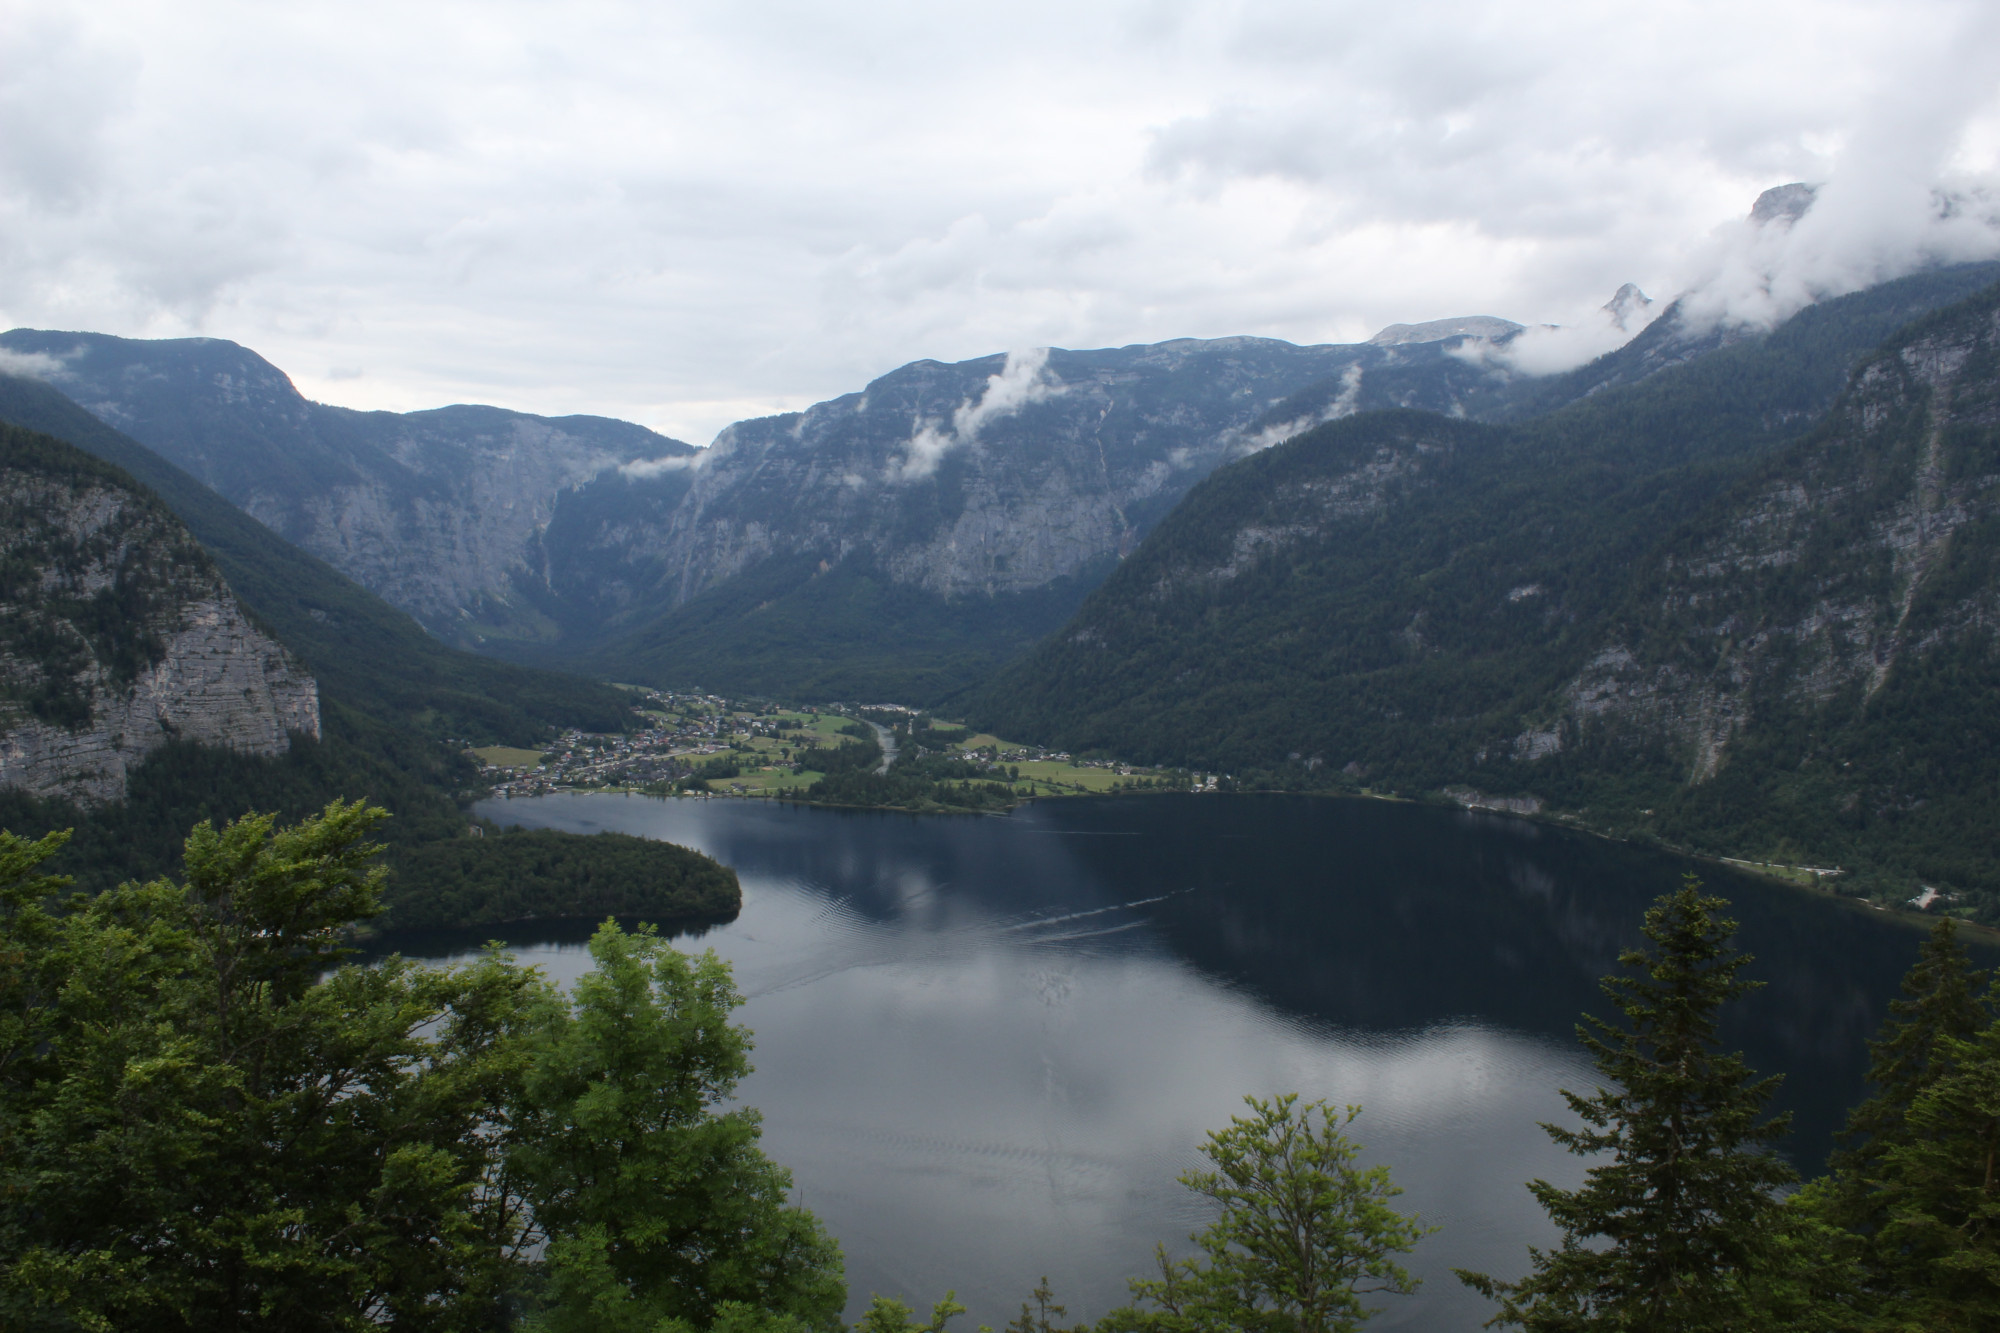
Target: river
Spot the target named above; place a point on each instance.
(986, 1046)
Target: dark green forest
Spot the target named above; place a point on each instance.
(529, 874)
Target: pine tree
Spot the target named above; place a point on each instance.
(1918, 1188)
(1670, 1232)
(1939, 1001)
(1941, 1186)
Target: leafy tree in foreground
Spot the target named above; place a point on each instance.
(886, 1314)
(207, 1121)
(660, 1209)
(1303, 1236)
(1678, 1229)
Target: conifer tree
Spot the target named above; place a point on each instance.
(1941, 1187)
(1918, 1188)
(1939, 1002)
(1670, 1232)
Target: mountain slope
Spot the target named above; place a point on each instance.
(117, 634)
(904, 541)
(1421, 602)
(365, 653)
(390, 695)
(438, 512)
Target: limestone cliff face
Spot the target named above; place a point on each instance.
(1848, 558)
(117, 634)
(989, 476)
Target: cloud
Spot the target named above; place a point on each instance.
(1341, 405)
(644, 469)
(1019, 382)
(35, 365)
(1860, 229)
(685, 215)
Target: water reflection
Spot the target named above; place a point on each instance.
(986, 1046)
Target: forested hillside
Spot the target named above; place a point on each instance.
(1646, 610)
(396, 707)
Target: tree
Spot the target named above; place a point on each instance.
(1917, 1191)
(1939, 1003)
(1675, 1230)
(886, 1314)
(1303, 1236)
(659, 1207)
(227, 1130)
(209, 1121)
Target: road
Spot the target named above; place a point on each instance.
(887, 739)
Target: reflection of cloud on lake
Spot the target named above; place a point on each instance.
(986, 1051)
(967, 1101)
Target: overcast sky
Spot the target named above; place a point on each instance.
(686, 214)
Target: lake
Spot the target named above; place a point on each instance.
(985, 1047)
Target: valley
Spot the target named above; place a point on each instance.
(1724, 590)
(707, 745)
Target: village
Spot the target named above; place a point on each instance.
(711, 745)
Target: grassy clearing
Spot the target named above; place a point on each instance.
(1805, 875)
(507, 756)
(1068, 776)
(767, 780)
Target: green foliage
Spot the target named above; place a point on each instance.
(525, 874)
(886, 1314)
(181, 783)
(1940, 1185)
(208, 1121)
(1303, 1236)
(1917, 1193)
(659, 1207)
(1672, 1230)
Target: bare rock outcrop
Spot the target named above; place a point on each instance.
(118, 635)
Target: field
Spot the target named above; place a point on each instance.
(507, 756)
(1051, 777)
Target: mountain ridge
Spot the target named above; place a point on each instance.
(1422, 604)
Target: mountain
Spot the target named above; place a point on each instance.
(920, 532)
(905, 540)
(1675, 609)
(117, 634)
(437, 512)
(396, 707)
(366, 654)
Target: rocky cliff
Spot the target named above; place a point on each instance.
(1829, 576)
(438, 512)
(117, 634)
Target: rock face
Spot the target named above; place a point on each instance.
(439, 512)
(117, 634)
(1852, 555)
(1001, 474)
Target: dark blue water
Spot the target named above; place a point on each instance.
(986, 1046)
